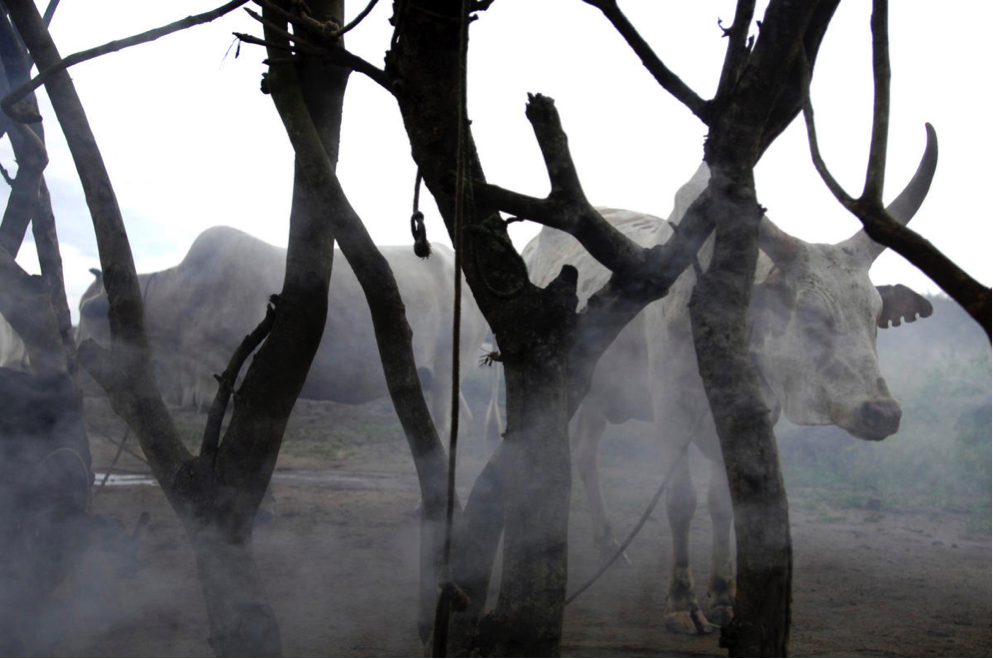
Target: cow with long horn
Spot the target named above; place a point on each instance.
(812, 328)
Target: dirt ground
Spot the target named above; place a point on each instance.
(339, 561)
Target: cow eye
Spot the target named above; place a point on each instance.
(814, 318)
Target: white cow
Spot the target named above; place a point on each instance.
(199, 311)
(812, 334)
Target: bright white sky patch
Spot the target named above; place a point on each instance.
(190, 141)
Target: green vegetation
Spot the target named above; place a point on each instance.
(939, 369)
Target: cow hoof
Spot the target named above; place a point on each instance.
(687, 622)
(721, 614)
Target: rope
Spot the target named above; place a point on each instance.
(79, 459)
(422, 247)
(463, 201)
(637, 529)
(127, 430)
(644, 516)
(113, 463)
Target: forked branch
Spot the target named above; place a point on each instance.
(225, 381)
(322, 41)
(879, 224)
(566, 207)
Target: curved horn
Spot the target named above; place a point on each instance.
(905, 206)
(778, 245)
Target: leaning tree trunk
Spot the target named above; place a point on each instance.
(718, 314)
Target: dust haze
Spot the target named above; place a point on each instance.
(891, 539)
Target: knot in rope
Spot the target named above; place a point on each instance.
(422, 247)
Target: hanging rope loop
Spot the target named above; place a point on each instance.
(422, 248)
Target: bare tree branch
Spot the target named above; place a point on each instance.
(566, 207)
(46, 240)
(300, 44)
(739, 46)
(815, 151)
(32, 158)
(879, 224)
(50, 12)
(875, 172)
(328, 48)
(325, 33)
(669, 80)
(358, 19)
(27, 116)
(135, 394)
(225, 382)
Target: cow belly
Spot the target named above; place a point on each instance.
(620, 388)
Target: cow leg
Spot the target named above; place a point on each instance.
(586, 449)
(440, 386)
(684, 616)
(720, 585)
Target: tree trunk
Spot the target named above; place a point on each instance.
(718, 313)
(242, 624)
(538, 476)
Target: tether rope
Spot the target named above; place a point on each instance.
(463, 202)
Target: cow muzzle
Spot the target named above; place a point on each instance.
(877, 419)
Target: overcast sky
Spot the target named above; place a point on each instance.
(190, 141)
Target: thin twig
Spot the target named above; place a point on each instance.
(333, 53)
(669, 80)
(301, 44)
(815, 151)
(255, 41)
(50, 12)
(7, 104)
(225, 381)
(306, 23)
(358, 19)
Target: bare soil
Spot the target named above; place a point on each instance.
(339, 560)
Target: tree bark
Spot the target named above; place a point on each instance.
(718, 314)
(242, 623)
(311, 111)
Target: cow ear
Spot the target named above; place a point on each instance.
(900, 303)
(96, 273)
